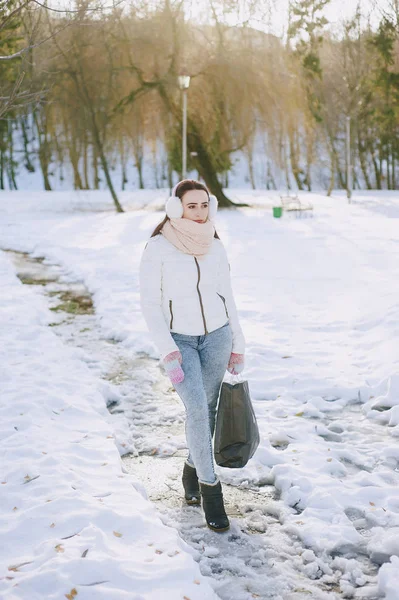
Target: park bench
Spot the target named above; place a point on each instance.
(297, 206)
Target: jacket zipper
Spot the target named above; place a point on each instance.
(199, 295)
(171, 314)
(225, 307)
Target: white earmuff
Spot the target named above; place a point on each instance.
(174, 206)
(213, 207)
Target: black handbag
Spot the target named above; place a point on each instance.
(236, 432)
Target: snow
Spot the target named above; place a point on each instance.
(70, 519)
(317, 299)
(388, 579)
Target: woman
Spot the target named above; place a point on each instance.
(188, 305)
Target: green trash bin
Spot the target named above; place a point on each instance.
(277, 212)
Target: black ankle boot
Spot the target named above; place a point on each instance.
(212, 503)
(191, 485)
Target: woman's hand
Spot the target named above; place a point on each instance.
(236, 363)
(173, 369)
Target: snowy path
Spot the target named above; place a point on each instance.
(71, 522)
(259, 557)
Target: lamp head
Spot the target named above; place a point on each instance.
(184, 81)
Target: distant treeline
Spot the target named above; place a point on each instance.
(91, 88)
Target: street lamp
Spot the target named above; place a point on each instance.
(184, 83)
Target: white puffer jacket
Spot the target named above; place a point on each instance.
(183, 294)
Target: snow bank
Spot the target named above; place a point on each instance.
(71, 522)
(384, 407)
(388, 579)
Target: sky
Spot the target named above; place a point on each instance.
(274, 20)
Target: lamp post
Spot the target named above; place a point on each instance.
(184, 83)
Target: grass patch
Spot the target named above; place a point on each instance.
(74, 305)
(71, 307)
(33, 281)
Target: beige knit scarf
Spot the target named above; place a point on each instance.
(188, 236)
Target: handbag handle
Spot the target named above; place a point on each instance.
(233, 379)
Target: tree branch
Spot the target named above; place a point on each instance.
(13, 13)
(69, 11)
(14, 92)
(31, 46)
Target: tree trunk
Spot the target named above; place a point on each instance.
(95, 169)
(104, 164)
(170, 175)
(205, 166)
(356, 184)
(138, 153)
(124, 177)
(308, 179)
(286, 167)
(11, 164)
(139, 166)
(86, 163)
(363, 162)
(59, 153)
(2, 161)
(103, 160)
(74, 157)
(332, 173)
(376, 171)
(309, 160)
(123, 162)
(296, 171)
(338, 171)
(25, 138)
(158, 185)
(44, 152)
(388, 169)
(270, 183)
(251, 168)
(85, 96)
(203, 161)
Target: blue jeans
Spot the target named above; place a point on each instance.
(205, 360)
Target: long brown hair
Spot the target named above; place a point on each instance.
(183, 187)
